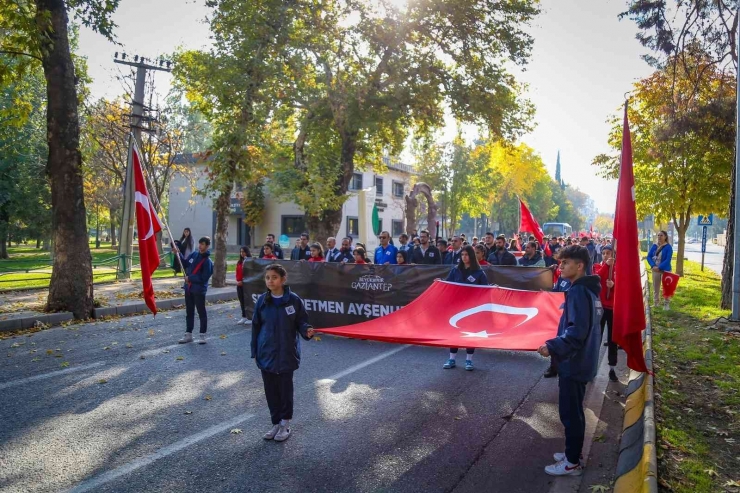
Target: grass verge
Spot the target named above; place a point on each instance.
(697, 367)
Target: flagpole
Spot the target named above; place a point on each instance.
(155, 202)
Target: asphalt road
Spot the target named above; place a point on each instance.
(118, 406)
(713, 259)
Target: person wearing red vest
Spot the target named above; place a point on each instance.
(606, 272)
(244, 253)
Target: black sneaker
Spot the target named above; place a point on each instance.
(613, 376)
(551, 372)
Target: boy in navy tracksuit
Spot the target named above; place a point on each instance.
(576, 351)
(279, 318)
(198, 270)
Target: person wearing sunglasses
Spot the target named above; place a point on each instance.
(385, 254)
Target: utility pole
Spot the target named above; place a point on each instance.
(125, 246)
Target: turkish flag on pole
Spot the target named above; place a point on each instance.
(529, 223)
(629, 311)
(459, 315)
(670, 283)
(148, 225)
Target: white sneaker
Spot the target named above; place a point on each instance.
(560, 456)
(201, 338)
(247, 321)
(282, 434)
(666, 306)
(241, 321)
(564, 468)
(188, 337)
(271, 434)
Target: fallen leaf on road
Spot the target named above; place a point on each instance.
(36, 359)
(151, 332)
(207, 398)
(316, 338)
(223, 353)
(129, 345)
(102, 380)
(222, 336)
(114, 344)
(106, 348)
(58, 355)
(598, 488)
(166, 351)
(65, 364)
(600, 438)
(236, 431)
(17, 344)
(457, 418)
(49, 351)
(188, 412)
(142, 357)
(180, 358)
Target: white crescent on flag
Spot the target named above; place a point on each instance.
(530, 313)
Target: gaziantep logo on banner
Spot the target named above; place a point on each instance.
(530, 313)
(371, 282)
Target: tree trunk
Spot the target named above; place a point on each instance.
(160, 250)
(681, 227)
(4, 238)
(223, 207)
(113, 226)
(322, 227)
(38, 243)
(726, 302)
(71, 286)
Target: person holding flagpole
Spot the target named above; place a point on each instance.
(659, 258)
(198, 270)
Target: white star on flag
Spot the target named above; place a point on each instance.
(482, 334)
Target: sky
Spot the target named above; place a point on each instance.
(583, 62)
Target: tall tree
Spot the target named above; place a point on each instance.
(670, 29)
(233, 85)
(683, 163)
(39, 30)
(373, 71)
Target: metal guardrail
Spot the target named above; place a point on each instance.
(113, 266)
(637, 466)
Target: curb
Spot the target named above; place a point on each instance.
(637, 466)
(21, 323)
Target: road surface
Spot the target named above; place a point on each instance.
(713, 259)
(119, 406)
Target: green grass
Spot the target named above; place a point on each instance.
(697, 389)
(29, 268)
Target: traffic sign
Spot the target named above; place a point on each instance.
(706, 220)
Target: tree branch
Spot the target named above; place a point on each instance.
(20, 53)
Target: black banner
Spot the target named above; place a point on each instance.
(338, 294)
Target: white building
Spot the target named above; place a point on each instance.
(189, 210)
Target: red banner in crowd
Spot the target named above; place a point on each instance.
(670, 283)
(459, 315)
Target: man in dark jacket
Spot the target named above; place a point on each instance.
(500, 255)
(302, 250)
(425, 253)
(276, 250)
(532, 256)
(453, 257)
(198, 270)
(576, 352)
(344, 254)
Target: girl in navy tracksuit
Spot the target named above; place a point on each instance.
(468, 271)
(279, 318)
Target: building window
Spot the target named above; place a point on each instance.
(292, 225)
(397, 227)
(353, 227)
(378, 186)
(397, 189)
(356, 183)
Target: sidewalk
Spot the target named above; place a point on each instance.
(24, 309)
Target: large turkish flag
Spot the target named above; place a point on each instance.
(459, 315)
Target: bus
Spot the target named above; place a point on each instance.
(557, 229)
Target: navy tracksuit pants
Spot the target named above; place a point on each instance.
(279, 393)
(570, 403)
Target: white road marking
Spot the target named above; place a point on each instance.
(116, 473)
(53, 374)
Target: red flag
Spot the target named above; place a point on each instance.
(528, 223)
(147, 224)
(458, 315)
(629, 310)
(670, 283)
